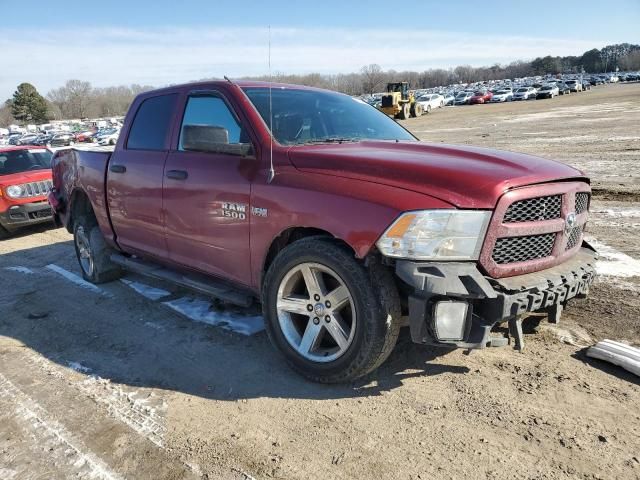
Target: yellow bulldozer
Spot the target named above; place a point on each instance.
(398, 102)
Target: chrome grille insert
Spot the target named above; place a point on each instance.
(522, 249)
(534, 209)
(574, 237)
(582, 202)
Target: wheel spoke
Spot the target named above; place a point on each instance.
(312, 280)
(338, 297)
(310, 337)
(294, 305)
(338, 331)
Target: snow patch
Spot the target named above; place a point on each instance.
(20, 269)
(53, 437)
(200, 311)
(613, 263)
(78, 367)
(152, 293)
(72, 277)
(143, 413)
(155, 326)
(619, 212)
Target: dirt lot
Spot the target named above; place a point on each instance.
(112, 383)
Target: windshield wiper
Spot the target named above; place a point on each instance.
(332, 140)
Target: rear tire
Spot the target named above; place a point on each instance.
(418, 109)
(368, 318)
(94, 255)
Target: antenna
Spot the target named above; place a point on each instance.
(272, 172)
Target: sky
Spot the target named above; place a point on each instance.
(159, 42)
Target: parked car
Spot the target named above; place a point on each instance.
(27, 139)
(109, 138)
(84, 136)
(586, 85)
(431, 101)
(548, 91)
(338, 232)
(524, 93)
(25, 180)
(502, 96)
(480, 97)
(563, 88)
(463, 98)
(574, 85)
(449, 98)
(61, 140)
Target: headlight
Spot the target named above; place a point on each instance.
(14, 191)
(436, 234)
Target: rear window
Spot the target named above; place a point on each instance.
(151, 123)
(18, 161)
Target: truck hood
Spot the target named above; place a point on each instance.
(466, 177)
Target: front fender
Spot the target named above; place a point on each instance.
(354, 211)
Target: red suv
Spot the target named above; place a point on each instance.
(25, 180)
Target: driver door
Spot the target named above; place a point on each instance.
(206, 191)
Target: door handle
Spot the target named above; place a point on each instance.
(118, 168)
(177, 174)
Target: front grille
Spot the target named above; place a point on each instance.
(574, 237)
(522, 249)
(582, 202)
(36, 189)
(534, 209)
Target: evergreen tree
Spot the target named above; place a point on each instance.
(28, 105)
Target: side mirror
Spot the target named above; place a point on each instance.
(213, 139)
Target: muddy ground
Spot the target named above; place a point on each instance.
(111, 383)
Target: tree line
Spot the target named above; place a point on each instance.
(79, 99)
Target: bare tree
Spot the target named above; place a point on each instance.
(372, 78)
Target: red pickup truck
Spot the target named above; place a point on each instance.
(25, 181)
(334, 217)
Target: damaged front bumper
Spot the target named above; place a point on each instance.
(454, 304)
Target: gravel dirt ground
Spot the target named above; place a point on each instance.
(112, 383)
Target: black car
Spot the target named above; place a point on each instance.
(61, 140)
(586, 85)
(563, 88)
(42, 139)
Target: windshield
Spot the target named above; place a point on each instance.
(522, 90)
(16, 161)
(308, 116)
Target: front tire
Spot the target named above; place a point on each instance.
(94, 256)
(333, 319)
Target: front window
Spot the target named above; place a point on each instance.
(18, 161)
(311, 116)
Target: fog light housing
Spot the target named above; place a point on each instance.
(450, 319)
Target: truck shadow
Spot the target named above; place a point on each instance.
(126, 338)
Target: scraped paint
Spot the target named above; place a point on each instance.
(201, 311)
(152, 293)
(72, 277)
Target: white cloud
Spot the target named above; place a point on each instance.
(115, 56)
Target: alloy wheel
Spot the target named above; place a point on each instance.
(316, 312)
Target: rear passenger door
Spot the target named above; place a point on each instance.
(207, 193)
(134, 178)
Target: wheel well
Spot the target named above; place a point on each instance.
(80, 205)
(293, 234)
